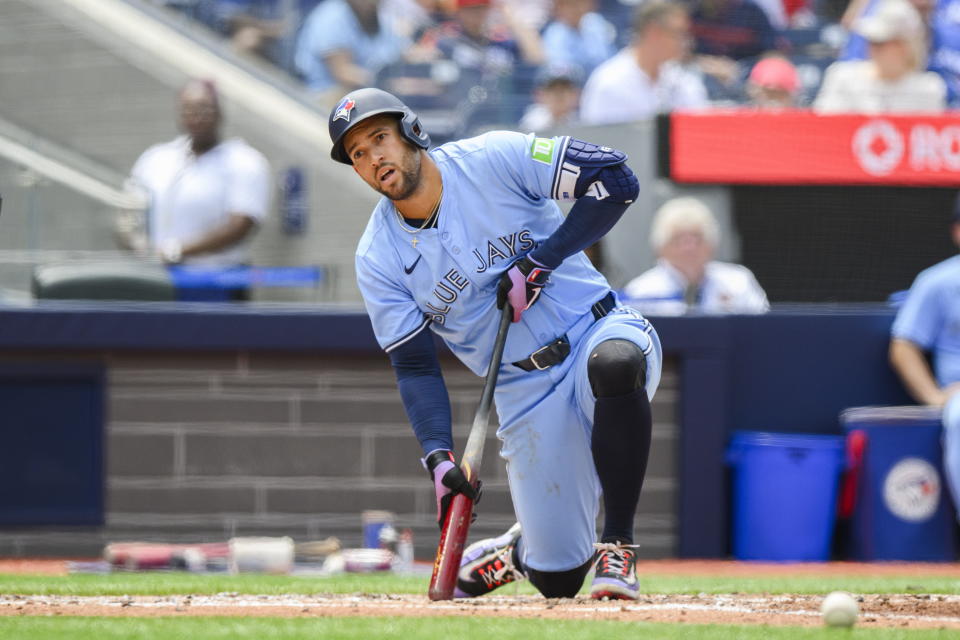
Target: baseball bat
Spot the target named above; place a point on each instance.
(453, 535)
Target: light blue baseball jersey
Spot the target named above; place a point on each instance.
(930, 317)
(498, 204)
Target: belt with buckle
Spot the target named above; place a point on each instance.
(557, 351)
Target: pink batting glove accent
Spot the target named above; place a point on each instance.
(517, 296)
(441, 489)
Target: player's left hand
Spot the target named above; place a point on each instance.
(520, 285)
(448, 481)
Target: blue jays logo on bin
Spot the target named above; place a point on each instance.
(344, 108)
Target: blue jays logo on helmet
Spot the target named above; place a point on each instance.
(344, 108)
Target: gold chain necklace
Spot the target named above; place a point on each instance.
(426, 223)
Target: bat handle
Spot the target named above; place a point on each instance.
(453, 537)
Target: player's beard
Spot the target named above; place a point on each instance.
(409, 170)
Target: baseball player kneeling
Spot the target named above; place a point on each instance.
(462, 230)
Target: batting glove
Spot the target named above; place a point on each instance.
(520, 285)
(448, 481)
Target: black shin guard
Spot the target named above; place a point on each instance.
(559, 584)
(622, 426)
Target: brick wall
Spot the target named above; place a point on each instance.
(209, 446)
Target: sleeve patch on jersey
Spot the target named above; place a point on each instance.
(542, 150)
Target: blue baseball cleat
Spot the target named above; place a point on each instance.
(615, 572)
(488, 564)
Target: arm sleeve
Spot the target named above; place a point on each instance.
(921, 316)
(423, 392)
(588, 221)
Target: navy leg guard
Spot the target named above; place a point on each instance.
(622, 426)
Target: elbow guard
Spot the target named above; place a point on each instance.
(589, 170)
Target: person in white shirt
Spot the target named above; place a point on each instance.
(891, 80)
(207, 196)
(646, 77)
(686, 278)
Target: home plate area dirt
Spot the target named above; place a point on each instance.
(910, 611)
(884, 610)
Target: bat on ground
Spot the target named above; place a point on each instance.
(453, 535)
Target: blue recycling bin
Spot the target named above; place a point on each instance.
(784, 495)
(900, 505)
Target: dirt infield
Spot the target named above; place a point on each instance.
(908, 611)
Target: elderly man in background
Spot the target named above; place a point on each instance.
(207, 196)
(891, 80)
(646, 77)
(687, 278)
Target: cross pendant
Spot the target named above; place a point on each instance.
(415, 241)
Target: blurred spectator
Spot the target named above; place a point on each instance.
(926, 326)
(686, 278)
(476, 44)
(555, 100)
(733, 29)
(773, 83)
(344, 43)
(942, 18)
(646, 77)
(578, 35)
(207, 195)
(891, 80)
(532, 14)
(944, 53)
(411, 18)
(856, 47)
(254, 26)
(776, 13)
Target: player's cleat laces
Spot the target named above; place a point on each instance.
(615, 571)
(488, 564)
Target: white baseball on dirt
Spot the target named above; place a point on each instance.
(839, 609)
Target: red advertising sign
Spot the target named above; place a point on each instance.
(800, 147)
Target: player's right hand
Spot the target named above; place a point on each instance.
(448, 481)
(520, 285)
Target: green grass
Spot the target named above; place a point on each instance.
(185, 583)
(28, 628)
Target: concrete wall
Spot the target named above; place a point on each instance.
(205, 446)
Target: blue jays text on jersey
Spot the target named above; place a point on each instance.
(498, 204)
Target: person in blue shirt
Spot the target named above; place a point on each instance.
(345, 42)
(461, 231)
(578, 36)
(928, 323)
